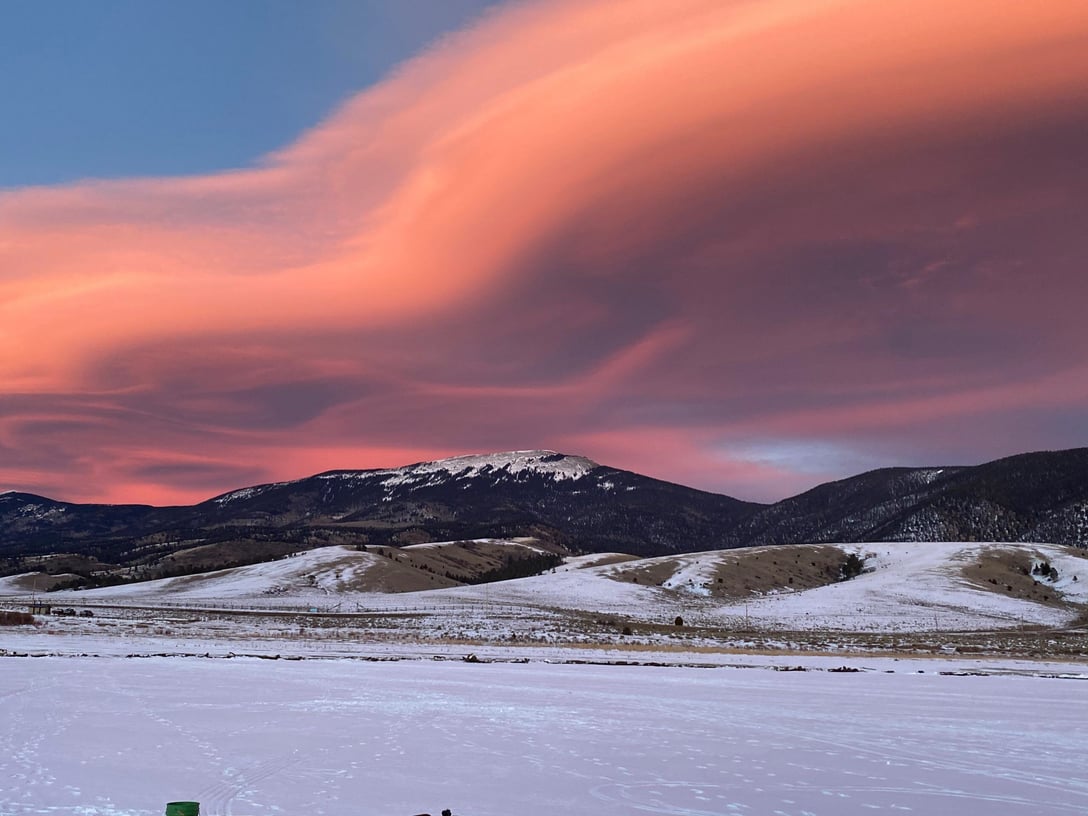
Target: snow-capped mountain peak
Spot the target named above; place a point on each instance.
(549, 464)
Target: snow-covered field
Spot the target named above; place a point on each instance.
(121, 737)
(370, 709)
(918, 586)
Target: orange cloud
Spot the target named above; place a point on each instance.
(574, 204)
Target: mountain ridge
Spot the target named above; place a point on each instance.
(567, 501)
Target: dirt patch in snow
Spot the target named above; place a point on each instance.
(1009, 572)
(219, 555)
(748, 572)
(784, 568)
(392, 574)
(445, 564)
(647, 571)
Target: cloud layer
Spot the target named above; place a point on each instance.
(743, 245)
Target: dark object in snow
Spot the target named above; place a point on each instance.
(852, 567)
(447, 812)
(183, 809)
(9, 618)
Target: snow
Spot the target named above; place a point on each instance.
(1072, 576)
(121, 737)
(436, 545)
(911, 587)
(378, 714)
(39, 512)
(302, 578)
(555, 466)
(694, 573)
(574, 562)
(523, 543)
(581, 589)
(906, 587)
(245, 493)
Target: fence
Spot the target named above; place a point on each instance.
(695, 616)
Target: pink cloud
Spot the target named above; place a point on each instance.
(626, 224)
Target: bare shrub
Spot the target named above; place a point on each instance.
(8, 618)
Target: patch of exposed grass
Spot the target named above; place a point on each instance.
(9, 618)
(1007, 572)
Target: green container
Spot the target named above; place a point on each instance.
(183, 809)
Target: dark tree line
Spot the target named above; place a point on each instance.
(517, 568)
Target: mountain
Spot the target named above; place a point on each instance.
(1029, 497)
(570, 498)
(565, 502)
(570, 502)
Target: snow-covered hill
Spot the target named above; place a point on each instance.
(903, 587)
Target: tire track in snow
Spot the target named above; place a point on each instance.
(219, 796)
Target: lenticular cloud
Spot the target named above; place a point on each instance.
(605, 226)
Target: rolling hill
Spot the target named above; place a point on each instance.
(568, 504)
(950, 586)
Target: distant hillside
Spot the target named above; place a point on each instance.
(1030, 497)
(568, 503)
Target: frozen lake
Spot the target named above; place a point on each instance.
(115, 736)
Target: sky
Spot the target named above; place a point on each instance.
(743, 245)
